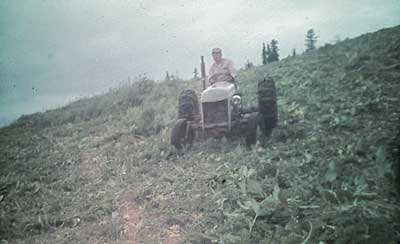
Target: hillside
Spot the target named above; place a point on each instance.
(101, 170)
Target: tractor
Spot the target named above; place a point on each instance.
(220, 113)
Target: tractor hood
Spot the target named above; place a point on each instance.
(218, 92)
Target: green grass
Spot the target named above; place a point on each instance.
(326, 175)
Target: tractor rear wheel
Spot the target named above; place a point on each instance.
(255, 129)
(266, 94)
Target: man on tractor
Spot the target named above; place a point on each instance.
(220, 112)
(222, 69)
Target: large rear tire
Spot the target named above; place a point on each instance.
(188, 105)
(182, 134)
(266, 94)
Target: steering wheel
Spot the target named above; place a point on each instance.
(232, 80)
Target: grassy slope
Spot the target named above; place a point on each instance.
(79, 174)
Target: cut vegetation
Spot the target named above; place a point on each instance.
(102, 170)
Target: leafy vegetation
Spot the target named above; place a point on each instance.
(102, 170)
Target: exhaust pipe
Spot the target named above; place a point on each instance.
(203, 72)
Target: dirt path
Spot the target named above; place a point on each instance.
(150, 226)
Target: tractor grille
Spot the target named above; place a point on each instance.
(215, 112)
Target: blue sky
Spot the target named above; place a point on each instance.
(53, 51)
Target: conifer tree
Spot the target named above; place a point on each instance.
(167, 77)
(294, 53)
(196, 74)
(264, 55)
(274, 51)
(268, 53)
(248, 65)
(311, 40)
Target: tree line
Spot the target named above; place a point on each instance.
(270, 52)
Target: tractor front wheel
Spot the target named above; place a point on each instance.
(182, 134)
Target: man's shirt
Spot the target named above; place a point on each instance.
(222, 71)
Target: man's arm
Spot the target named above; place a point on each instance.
(211, 72)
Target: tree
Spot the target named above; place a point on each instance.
(274, 51)
(196, 74)
(268, 53)
(294, 53)
(249, 65)
(311, 40)
(264, 55)
(167, 77)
